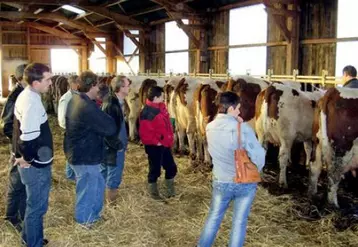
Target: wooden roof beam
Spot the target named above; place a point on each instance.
(118, 18)
(15, 15)
(188, 32)
(146, 11)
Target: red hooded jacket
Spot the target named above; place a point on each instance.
(155, 126)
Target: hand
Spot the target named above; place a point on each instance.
(21, 162)
(159, 144)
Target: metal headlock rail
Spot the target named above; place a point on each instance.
(321, 80)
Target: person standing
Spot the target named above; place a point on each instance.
(61, 114)
(350, 77)
(16, 194)
(156, 133)
(33, 149)
(222, 137)
(116, 145)
(86, 127)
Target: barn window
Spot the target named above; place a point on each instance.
(346, 53)
(176, 40)
(251, 60)
(129, 48)
(97, 60)
(64, 61)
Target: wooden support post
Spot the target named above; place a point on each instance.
(202, 64)
(110, 61)
(293, 45)
(28, 44)
(84, 60)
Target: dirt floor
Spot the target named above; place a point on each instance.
(278, 218)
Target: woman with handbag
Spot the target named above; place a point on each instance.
(238, 158)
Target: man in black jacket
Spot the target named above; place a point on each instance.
(115, 145)
(86, 127)
(349, 77)
(16, 194)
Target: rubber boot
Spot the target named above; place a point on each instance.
(153, 191)
(170, 187)
(111, 195)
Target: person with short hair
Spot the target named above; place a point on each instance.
(33, 149)
(86, 127)
(156, 133)
(115, 145)
(350, 77)
(16, 193)
(61, 115)
(222, 138)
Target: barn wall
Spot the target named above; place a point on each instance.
(318, 21)
(154, 41)
(219, 36)
(276, 55)
(16, 51)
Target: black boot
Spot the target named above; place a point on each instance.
(170, 187)
(153, 191)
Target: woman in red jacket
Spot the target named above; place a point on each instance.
(156, 133)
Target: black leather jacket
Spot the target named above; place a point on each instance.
(112, 143)
(7, 114)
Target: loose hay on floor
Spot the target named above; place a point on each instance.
(136, 220)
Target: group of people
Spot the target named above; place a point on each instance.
(95, 143)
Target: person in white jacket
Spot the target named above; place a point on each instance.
(61, 114)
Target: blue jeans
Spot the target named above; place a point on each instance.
(37, 182)
(113, 174)
(70, 174)
(89, 193)
(16, 196)
(223, 193)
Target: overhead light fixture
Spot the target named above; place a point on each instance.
(38, 11)
(20, 22)
(73, 9)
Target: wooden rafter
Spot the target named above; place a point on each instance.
(14, 15)
(118, 18)
(96, 43)
(188, 32)
(123, 57)
(146, 11)
(132, 38)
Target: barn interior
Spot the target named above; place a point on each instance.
(111, 37)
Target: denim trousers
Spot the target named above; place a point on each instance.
(113, 174)
(70, 173)
(89, 193)
(223, 193)
(16, 196)
(38, 183)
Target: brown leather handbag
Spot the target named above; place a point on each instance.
(246, 171)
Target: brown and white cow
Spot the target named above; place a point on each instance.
(284, 115)
(205, 97)
(136, 99)
(335, 138)
(247, 88)
(182, 108)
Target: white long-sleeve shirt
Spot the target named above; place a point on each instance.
(62, 107)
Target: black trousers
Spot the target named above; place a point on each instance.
(159, 156)
(16, 196)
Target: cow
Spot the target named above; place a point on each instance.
(284, 114)
(205, 97)
(182, 108)
(247, 88)
(335, 138)
(136, 100)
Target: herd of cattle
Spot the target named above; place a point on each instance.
(280, 112)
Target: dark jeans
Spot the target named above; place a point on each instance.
(16, 196)
(159, 156)
(38, 184)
